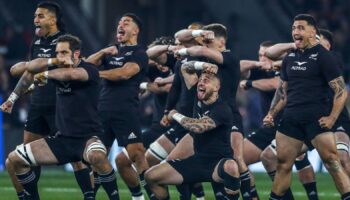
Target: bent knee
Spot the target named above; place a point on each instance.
(268, 156)
(332, 163)
(231, 167)
(151, 176)
(95, 157)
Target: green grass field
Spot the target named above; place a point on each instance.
(59, 185)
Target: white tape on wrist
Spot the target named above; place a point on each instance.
(13, 97)
(197, 33)
(183, 52)
(143, 86)
(46, 74)
(198, 65)
(178, 117)
(49, 62)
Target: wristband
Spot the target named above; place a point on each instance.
(196, 33)
(198, 65)
(178, 117)
(46, 74)
(143, 86)
(183, 52)
(49, 62)
(249, 84)
(13, 97)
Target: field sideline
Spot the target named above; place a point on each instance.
(60, 185)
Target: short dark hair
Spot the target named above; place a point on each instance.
(135, 18)
(308, 18)
(163, 40)
(218, 29)
(53, 7)
(74, 41)
(195, 25)
(328, 36)
(267, 43)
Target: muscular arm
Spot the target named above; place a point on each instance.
(155, 88)
(39, 65)
(190, 79)
(18, 69)
(246, 66)
(129, 70)
(278, 50)
(96, 58)
(280, 98)
(157, 53)
(198, 125)
(184, 35)
(340, 95)
(198, 51)
(23, 84)
(68, 74)
(267, 85)
(168, 79)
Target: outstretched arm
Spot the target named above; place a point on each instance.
(128, 70)
(200, 125)
(97, 57)
(201, 51)
(277, 51)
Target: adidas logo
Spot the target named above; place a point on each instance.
(132, 136)
(219, 194)
(234, 128)
(340, 128)
(37, 42)
(115, 192)
(246, 194)
(312, 193)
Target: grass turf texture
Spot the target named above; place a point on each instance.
(59, 185)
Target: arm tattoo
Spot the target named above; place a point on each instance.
(198, 125)
(280, 96)
(338, 86)
(23, 83)
(189, 67)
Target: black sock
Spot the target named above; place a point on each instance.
(253, 192)
(21, 195)
(245, 185)
(232, 196)
(29, 183)
(197, 189)
(109, 183)
(311, 190)
(97, 182)
(274, 196)
(345, 196)
(220, 193)
(288, 195)
(184, 190)
(272, 174)
(84, 182)
(37, 171)
(135, 191)
(144, 185)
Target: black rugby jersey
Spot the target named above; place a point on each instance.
(76, 107)
(44, 48)
(215, 142)
(123, 94)
(308, 74)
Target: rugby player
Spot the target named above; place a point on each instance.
(48, 21)
(77, 85)
(305, 75)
